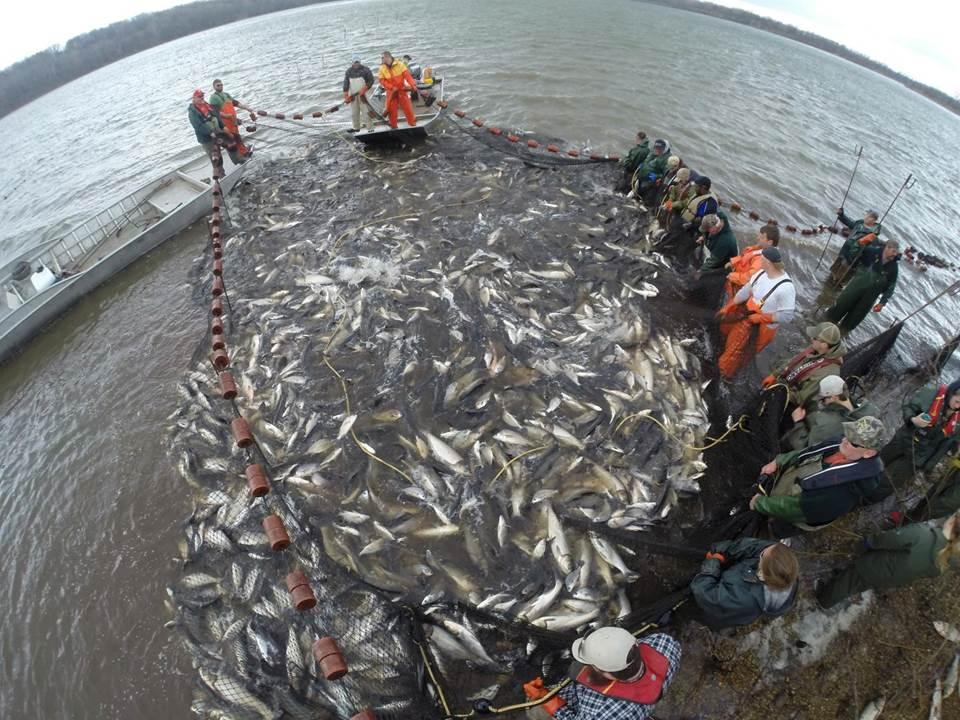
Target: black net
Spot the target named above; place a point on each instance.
(860, 362)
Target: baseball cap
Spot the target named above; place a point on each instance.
(709, 221)
(867, 432)
(825, 331)
(198, 93)
(605, 648)
(832, 385)
(356, 58)
(772, 254)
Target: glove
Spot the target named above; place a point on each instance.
(716, 556)
(867, 239)
(726, 309)
(534, 690)
(760, 318)
(554, 704)
(769, 380)
(669, 205)
(878, 307)
(346, 98)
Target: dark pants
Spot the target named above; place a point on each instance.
(875, 569)
(942, 500)
(853, 305)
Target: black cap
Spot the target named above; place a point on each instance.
(772, 254)
(660, 143)
(704, 181)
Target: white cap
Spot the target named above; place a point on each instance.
(605, 648)
(832, 385)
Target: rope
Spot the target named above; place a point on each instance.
(644, 414)
(513, 460)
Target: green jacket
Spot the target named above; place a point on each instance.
(733, 595)
(825, 423)
(928, 445)
(652, 164)
(879, 278)
(678, 198)
(636, 155)
(810, 492)
(918, 546)
(805, 390)
(722, 247)
(851, 246)
(204, 126)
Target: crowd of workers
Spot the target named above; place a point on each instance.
(837, 457)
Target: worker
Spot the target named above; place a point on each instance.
(742, 580)
(931, 428)
(815, 486)
(631, 161)
(825, 420)
(745, 265)
(615, 677)
(394, 77)
(862, 234)
(750, 321)
(718, 241)
(225, 106)
(803, 372)
(673, 165)
(356, 83)
(896, 558)
(414, 67)
(649, 174)
(703, 203)
(873, 281)
(205, 123)
(679, 192)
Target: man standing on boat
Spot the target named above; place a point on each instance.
(204, 121)
(860, 247)
(393, 76)
(357, 81)
(873, 281)
(224, 105)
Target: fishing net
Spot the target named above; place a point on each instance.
(862, 361)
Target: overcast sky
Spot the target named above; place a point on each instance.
(914, 38)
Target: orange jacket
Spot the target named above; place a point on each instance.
(394, 76)
(744, 266)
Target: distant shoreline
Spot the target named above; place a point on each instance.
(45, 71)
(743, 17)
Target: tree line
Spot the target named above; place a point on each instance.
(821, 43)
(49, 69)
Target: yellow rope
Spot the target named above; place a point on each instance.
(427, 664)
(513, 460)
(353, 434)
(644, 414)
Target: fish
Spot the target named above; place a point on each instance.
(947, 631)
(936, 701)
(950, 680)
(873, 709)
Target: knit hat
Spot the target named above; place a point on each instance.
(683, 174)
(832, 385)
(673, 162)
(867, 432)
(709, 222)
(772, 254)
(825, 331)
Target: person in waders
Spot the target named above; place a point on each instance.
(741, 581)
(631, 161)
(873, 281)
(745, 265)
(616, 676)
(356, 82)
(749, 322)
(204, 121)
(897, 558)
(649, 174)
(815, 486)
(931, 428)
(394, 77)
(803, 372)
(225, 106)
(859, 247)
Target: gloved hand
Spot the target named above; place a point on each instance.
(554, 704)
(878, 307)
(798, 414)
(726, 309)
(346, 98)
(839, 211)
(669, 205)
(716, 556)
(769, 380)
(867, 239)
(760, 318)
(534, 690)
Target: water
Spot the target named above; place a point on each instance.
(90, 510)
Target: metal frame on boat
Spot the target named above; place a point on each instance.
(425, 114)
(43, 282)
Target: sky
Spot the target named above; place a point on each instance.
(914, 38)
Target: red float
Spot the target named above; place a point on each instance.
(217, 251)
(478, 122)
(251, 128)
(220, 359)
(329, 658)
(299, 587)
(216, 325)
(218, 267)
(256, 478)
(442, 103)
(262, 113)
(365, 714)
(459, 113)
(216, 307)
(280, 116)
(513, 138)
(614, 158)
(276, 533)
(552, 148)
(218, 342)
(495, 131)
(241, 432)
(228, 388)
(754, 215)
(297, 116)
(533, 144)
(791, 228)
(806, 231)
(573, 153)
(595, 156)
(217, 287)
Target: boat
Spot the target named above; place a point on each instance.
(426, 109)
(42, 282)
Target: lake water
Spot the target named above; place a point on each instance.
(92, 511)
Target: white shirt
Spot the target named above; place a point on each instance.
(782, 302)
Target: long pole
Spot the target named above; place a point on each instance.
(842, 203)
(907, 184)
(954, 288)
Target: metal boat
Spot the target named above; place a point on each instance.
(43, 282)
(426, 109)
